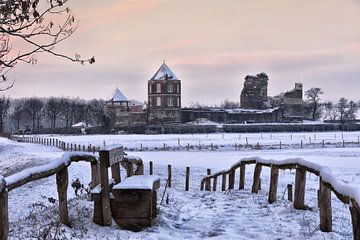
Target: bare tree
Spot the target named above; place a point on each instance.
(18, 112)
(29, 27)
(313, 101)
(4, 110)
(33, 107)
(53, 110)
(227, 104)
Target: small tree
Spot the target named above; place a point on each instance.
(313, 102)
(18, 112)
(33, 107)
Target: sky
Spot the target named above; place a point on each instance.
(210, 45)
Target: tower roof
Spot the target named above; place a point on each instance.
(164, 73)
(118, 96)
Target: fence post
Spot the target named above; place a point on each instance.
(62, 185)
(169, 176)
(280, 144)
(4, 215)
(256, 178)
(215, 183)
(151, 166)
(301, 144)
(324, 200)
(105, 193)
(290, 192)
(232, 179)
(343, 143)
(208, 180)
(300, 182)
(223, 182)
(187, 178)
(355, 218)
(115, 172)
(273, 184)
(242, 177)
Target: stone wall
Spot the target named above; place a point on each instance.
(254, 94)
(293, 101)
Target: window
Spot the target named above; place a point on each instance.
(170, 88)
(158, 88)
(178, 101)
(178, 88)
(158, 101)
(170, 102)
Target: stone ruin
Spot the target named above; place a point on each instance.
(293, 101)
(254, 94)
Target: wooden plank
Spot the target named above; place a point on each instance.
(290, 192)
(325, 208)
(115, 172)
(95, 178)
(242, 177)
(105, 193)
(116, 155)
(208, 180)
(256, 178)
(62, 185)
(273, 184)
(4, 215)
(300, 183)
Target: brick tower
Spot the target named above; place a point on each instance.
(164, 96)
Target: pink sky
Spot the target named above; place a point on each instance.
(211, 45)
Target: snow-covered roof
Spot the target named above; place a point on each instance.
(81, 125)
(164, 73)
(118, 96)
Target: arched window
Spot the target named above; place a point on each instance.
(158, 101)
(170, 88)
(170, 102)
(158, 88)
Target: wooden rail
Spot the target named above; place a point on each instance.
(346, 193)
(114, 157)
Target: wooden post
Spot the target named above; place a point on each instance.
(4, 215)
(62, 185)
(323, 143)
(301, 144)
(325, 208)
(94, 149)
(223, 182)
(187, 178)
(115, 172)
(242, 177)
(300, 182)
(232, 179)
(208, 180)
(290, 192)
(75, 147)
(202, 186)
(169, 176)
(256, 178)
(273, 184)
(71, 147)
(215, 183)
(95, 178)
(151, 168)
(105, 193)
(280, 144)
(67, 146)
(355, 219)
(343, 143)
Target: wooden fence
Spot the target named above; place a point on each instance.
(133, 165)
(346, 193)
(257, 145)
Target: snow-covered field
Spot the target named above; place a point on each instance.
(188, 215)
(220, 141)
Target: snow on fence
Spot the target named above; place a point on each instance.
(346, 193)
(99, 165)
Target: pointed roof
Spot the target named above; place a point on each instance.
(118, 96)
(164, 73)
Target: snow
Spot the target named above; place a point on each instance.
(143, 182)
(163, 72)
(118, 96)
(81, 125)
(194, 214)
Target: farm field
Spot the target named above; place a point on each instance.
(217, 141)
(188, 215)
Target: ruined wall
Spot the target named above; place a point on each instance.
(254, 93)
(293, 101)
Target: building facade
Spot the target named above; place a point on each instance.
(164, 96)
